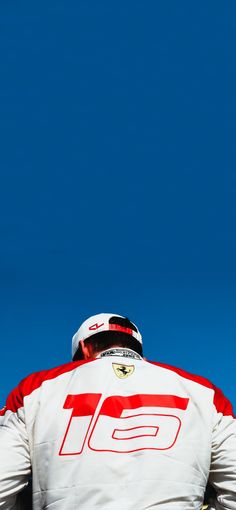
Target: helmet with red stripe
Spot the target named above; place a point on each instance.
(100, 323)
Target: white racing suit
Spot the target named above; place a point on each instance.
(117, 432)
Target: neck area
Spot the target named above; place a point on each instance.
(121, 352)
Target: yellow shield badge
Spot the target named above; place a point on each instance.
(123, 371)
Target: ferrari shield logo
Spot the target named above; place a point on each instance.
(123, 371)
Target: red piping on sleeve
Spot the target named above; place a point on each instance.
(222, 404)
(15, 399)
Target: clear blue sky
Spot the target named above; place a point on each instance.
(118, 180)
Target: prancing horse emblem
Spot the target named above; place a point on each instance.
(123, 371)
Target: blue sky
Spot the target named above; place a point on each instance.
(118, 182)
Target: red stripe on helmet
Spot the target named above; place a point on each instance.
(116, 327)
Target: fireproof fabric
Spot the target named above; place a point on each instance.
(117, 432)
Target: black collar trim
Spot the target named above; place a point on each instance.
(122, 353)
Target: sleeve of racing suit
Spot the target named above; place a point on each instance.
(223, 456)
(15, 465)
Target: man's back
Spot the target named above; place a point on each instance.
(115, 433)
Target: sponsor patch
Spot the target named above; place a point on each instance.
(123, 371)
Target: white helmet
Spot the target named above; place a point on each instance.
(97, 324)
